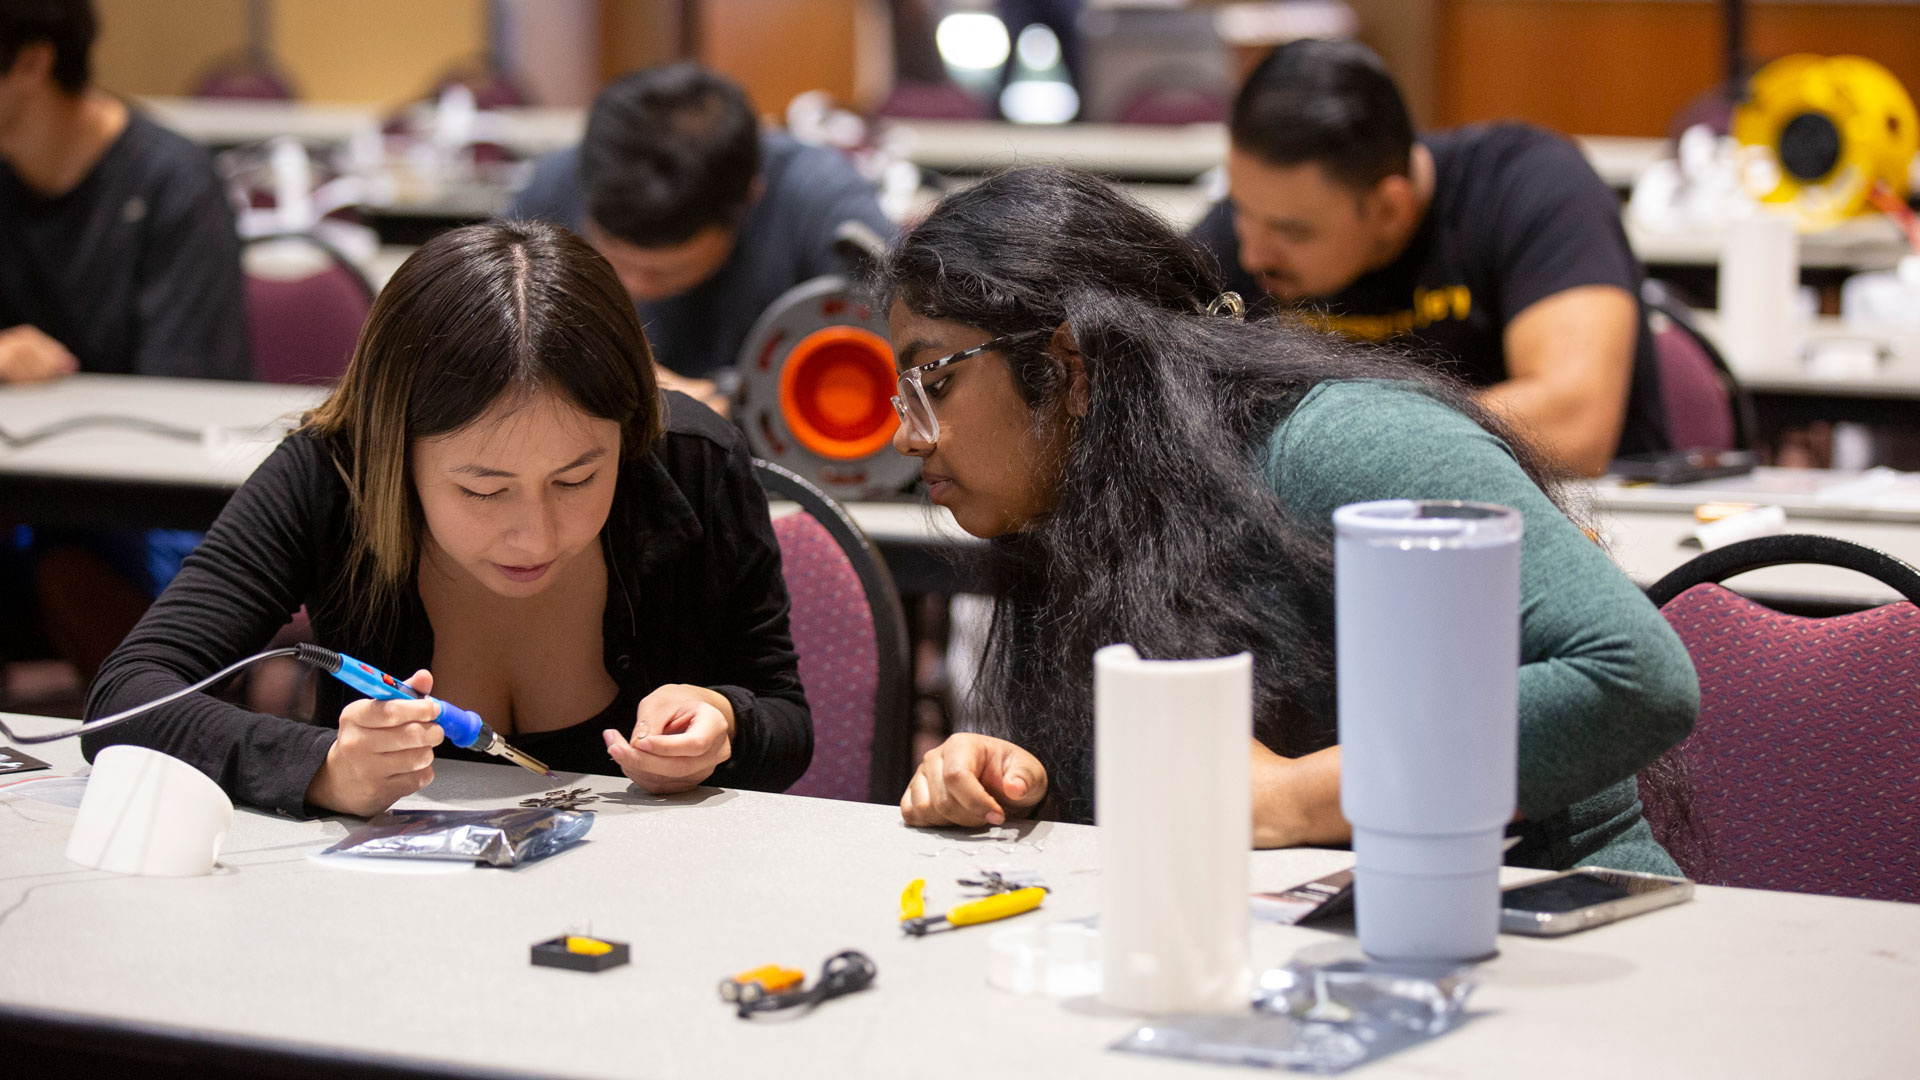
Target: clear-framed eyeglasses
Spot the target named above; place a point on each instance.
(913, 404)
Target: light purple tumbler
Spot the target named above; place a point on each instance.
(1427, 631)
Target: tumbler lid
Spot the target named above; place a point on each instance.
(1428, 523)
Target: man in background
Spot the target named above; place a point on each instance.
(1494, 252)
(706, 218)
(117, 254)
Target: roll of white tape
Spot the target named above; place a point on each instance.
(147, 813)
(1746, 525)
(1173, 798)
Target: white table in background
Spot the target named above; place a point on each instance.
(1880, 495)
(1648, 526)
(117, 475)
(229, 122)
(1620, 159)
(1649, 545)
(1862, 243)
(1808, 368)
(98, 475)
(226, 122)
(1128, 151)
(280, 955)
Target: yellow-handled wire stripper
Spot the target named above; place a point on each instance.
(913, 906)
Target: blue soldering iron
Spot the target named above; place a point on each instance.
(464, 729)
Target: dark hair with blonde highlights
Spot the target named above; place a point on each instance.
(481, 313)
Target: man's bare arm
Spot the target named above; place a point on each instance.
(1569, 367)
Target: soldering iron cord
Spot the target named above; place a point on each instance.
(844, 973)
(463, 729)
(92, 726)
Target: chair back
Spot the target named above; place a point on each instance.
(243, 84)
(1706, 409)
(912, 100)
(1803, 770)
(850, 632)
(1175, 104)
(305, 307)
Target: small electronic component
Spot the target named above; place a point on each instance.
(772, 988)
(999, 881)
(1002, 903)
(750, 986)
(579, 952)
(561, 799)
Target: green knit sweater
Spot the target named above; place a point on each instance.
(1605, 685)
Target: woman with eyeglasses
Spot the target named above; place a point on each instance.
(1153, 470)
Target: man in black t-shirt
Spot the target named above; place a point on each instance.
(1493, 252)
(117, 254)
(117, 247)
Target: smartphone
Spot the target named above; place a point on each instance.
(1579, 899)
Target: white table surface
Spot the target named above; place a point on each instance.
(221, 121)
(1862, 243)
(239, 423)
(1649, 545)
(1644, 528)
(1165, 151)
(1183, 150)
(531, 130)
(1134, 151)
(1819, 494)
(279, 948)
(1620, 159)
(1895, 375)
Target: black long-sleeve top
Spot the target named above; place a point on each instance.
(136, 270)
(694, 596)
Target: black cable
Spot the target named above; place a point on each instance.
(302, 653)
(844, 973)
(75, 423)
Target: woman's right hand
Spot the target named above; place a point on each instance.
(384, 753)
(973, 780)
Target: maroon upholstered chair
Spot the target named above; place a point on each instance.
(243, 83)
(492, 87)
(303, 325)
(1803, 771)
(1705, 407)
(933, 101)
(1175, 104)
(850, 632)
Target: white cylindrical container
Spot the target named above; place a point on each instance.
(1173, 798)
(1759, 280)
(145, 812)
(1427, 632)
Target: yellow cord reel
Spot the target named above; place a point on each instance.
(1823, 131)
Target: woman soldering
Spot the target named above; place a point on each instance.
(495, 493)
(1153, 470)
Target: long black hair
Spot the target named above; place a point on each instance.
(1165, 535)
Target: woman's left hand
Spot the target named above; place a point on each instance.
(681, 734)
